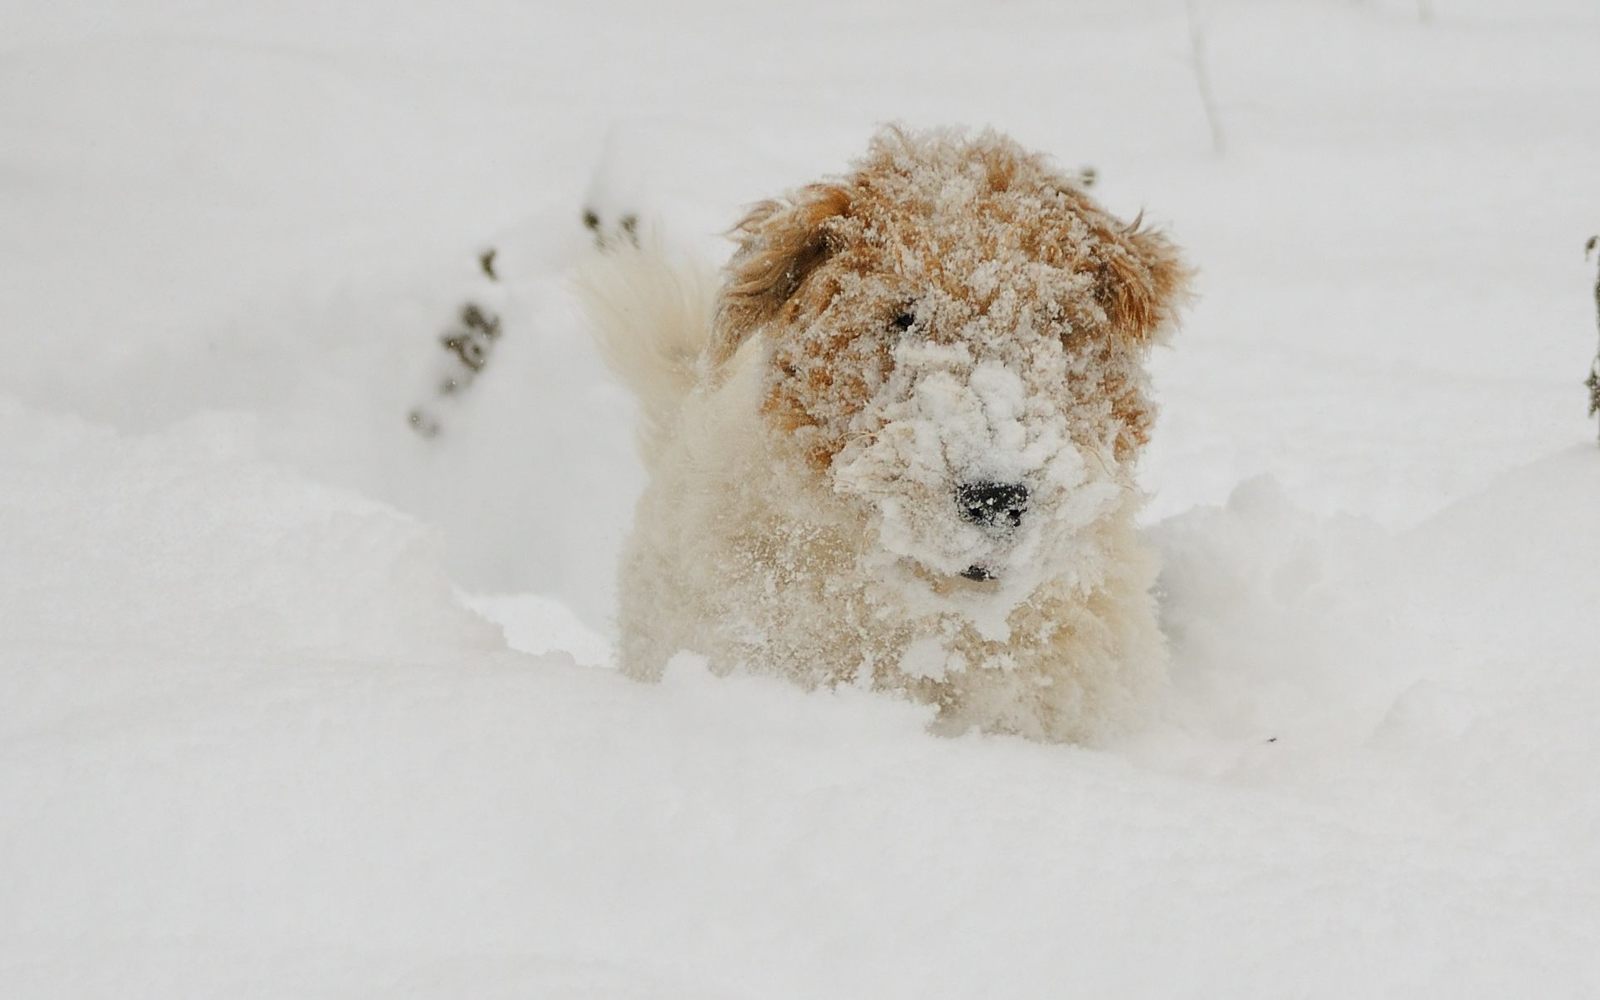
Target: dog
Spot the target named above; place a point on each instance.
(893, 445)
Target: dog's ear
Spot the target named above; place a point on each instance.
(1141, 281)
(780, 244)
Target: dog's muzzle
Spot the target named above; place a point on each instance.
(997, 507)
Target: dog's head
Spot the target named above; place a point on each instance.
(954, 339)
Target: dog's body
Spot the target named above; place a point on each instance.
(895, 446)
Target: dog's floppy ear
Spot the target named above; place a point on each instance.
(1141, 280)
(780, 244)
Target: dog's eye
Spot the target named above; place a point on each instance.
(904, 321)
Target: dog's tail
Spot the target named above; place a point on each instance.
(651, 314)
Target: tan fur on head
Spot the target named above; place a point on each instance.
(797, 257)
(1142, 281)
(954, 318)
(1140, 278)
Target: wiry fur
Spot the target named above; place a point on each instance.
(650, 314)
(952, 310)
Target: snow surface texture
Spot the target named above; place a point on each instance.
(252, 744)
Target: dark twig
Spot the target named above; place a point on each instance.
(1593, 381)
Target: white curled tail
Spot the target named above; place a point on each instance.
(651, 315)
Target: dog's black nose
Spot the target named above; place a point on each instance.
(996, 505)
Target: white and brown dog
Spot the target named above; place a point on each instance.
(895, 445)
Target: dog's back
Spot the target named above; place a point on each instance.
(651, 313)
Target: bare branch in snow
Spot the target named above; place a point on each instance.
(1593, 381)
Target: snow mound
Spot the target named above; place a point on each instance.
(181, 541)
(1270, 612)
(252, 743)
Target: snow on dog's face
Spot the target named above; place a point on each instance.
(955, 338)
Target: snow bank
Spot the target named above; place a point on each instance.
(252, 744)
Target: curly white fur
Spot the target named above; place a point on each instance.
(852, 563)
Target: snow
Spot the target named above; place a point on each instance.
(295, 702)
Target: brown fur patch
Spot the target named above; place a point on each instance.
(1141, 280)
(780, 245)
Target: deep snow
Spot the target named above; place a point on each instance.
(254, 741)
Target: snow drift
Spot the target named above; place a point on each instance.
(254, 742)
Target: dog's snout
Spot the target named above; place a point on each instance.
(995, 505)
